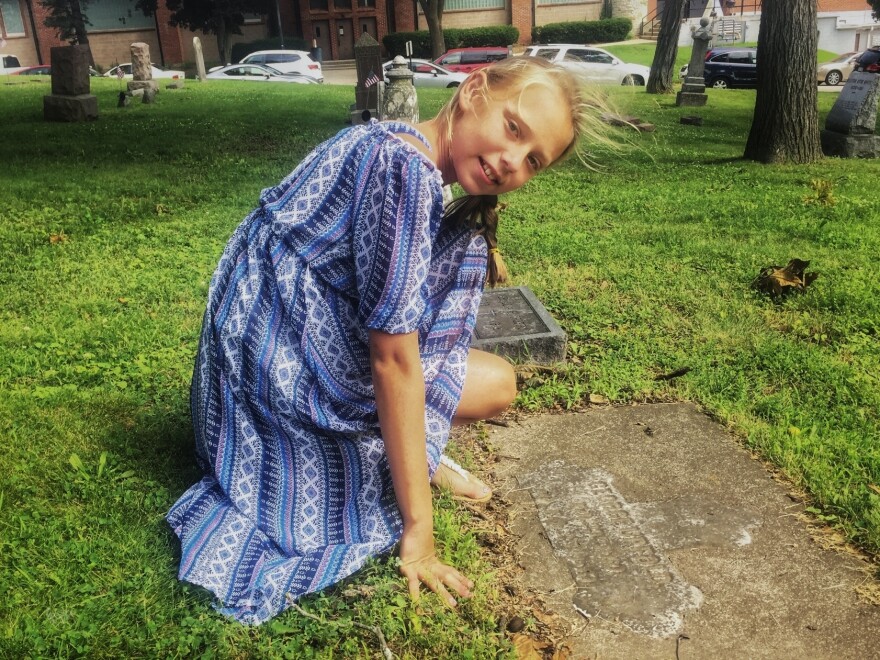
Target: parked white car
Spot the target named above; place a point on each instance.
(594, 64)
(428, 74)
(257, 73)
(158, 72)
(9, 64)
(287, 61)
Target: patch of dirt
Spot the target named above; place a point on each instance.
(535, 631)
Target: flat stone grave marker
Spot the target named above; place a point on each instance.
(513, 323)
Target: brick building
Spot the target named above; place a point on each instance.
(335, 25)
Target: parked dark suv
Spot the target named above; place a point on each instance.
(869, 60)
(731, 67)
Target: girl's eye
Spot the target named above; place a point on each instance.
(513, 127)
(534, 163)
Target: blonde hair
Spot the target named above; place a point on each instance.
(514, 75)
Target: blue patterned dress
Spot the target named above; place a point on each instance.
(297, 493)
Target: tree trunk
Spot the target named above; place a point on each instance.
(785, 126)
(223, 46)
(660, 79)
(434, 16)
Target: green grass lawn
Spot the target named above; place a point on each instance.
(110, 230)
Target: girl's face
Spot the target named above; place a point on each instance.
(501, 141)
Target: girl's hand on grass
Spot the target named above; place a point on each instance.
(419, 564)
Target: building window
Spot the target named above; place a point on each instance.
(560, 2)
(342, 4)
(318, 5)
(366, 3)
(10, 12)
(117, 15)
(452, 5)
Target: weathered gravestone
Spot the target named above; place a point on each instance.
(70, 99)
(200, 59)
(399, 99)
(142, 72)
(849, 127)
(513, 323)
(693, 90)
(368, 63)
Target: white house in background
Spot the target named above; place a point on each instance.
(844, 25)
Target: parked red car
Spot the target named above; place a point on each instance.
(466, 60)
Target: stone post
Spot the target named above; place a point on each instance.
(400, 101)
(693, 92)
(70, 99)
(142, 72)
(200, 59)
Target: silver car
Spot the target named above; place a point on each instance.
(594, 64)
(257, 73)
(837, 70)
(428, 74)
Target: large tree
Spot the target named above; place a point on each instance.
(434, 17)
(222, 18)
(875, 5)
(68, 17)
(785, 126)
(660, 79)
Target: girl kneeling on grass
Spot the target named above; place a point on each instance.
(334, 354)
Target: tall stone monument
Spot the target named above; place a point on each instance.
(142, 72)
(368, 63)
(200, 59)
(693, 91)
(399, 99)
(849, 127)
(70, 99)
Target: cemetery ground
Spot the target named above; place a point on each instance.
(110, 230)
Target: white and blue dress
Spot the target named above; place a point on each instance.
(297, 493)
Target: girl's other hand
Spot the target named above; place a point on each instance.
(419, 564)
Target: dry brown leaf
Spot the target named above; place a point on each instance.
(60, 237)
(598, 399)
(874, 488)
(778, 280)
(528, 648)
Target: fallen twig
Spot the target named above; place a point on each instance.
(376, 630)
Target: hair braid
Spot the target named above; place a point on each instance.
(479, 213)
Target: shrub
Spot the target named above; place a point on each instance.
(582, 32)
(241, 50)
(495, 35)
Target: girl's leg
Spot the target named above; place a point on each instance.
(489, 388)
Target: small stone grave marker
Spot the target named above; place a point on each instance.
(513, 323)
(849, 127)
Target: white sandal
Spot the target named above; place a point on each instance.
(467, 476)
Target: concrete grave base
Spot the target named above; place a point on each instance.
(83, 107)
(143, 84)
(653, 534)
(691, 99)
(850, 146)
